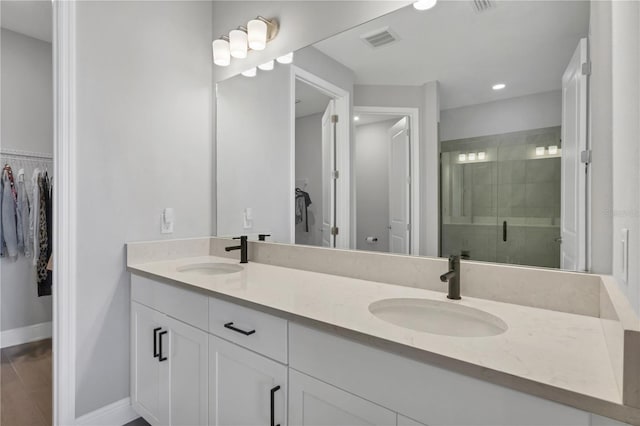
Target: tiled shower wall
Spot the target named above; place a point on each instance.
(512, 184)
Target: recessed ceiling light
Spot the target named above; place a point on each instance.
(356, 118)
(424, 4)
(499, 86)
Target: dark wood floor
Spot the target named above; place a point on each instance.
(25, 385)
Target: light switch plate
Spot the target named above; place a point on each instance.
(166, 221)
(624, 263)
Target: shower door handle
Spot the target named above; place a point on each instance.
(504, 231)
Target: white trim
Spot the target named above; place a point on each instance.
(118, 413)
(342, 100)
(414, 134)
(20, 335)
(64, 208)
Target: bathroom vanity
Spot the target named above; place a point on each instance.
(215, 342)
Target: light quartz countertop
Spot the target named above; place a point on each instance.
(561, 351)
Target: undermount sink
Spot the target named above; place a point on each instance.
(435, 317)
(210, 268)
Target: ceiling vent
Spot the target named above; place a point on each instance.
(379, 38)
(483, 5)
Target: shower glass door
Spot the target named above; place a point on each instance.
(501, 197)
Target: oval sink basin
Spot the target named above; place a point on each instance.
(210, 268)
(443, 318)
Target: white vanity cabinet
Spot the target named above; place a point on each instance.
(246, 389)
(169, 369)
(315, 403)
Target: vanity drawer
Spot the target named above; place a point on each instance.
(179, 303)
(254, 330)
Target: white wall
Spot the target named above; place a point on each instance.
(309, 168)
(601, 192)
(255, 156)
(372, 184)
(144, 131)
(626, 146)
(27, 124)
(510, 115)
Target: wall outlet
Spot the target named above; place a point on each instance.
(247, 218)
(624, 254)
(166, 221)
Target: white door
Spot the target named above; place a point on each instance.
(148, 392)
(315, 403)
(328, 188)
(399, 188)
(573, 175)
(185, 351)
(242, 386)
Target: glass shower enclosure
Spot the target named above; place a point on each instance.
(500, 197)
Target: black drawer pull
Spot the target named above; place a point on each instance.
(230, 326)
(273, 416)
(156, 354)
(162, 333)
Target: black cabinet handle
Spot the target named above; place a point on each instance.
(504, 231)
(156, 354)
(230, 326)
(161, 358)
(273, 416)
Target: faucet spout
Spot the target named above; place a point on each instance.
(243, 247)
(453, 278)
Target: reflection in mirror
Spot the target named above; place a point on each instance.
(437, 132)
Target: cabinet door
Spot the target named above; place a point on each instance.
(315, 403)
(185, 352)
(147, 396)
(245, 388)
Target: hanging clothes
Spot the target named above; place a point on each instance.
(43, 241)
(34, 217)
(49, 215)
(22, 214)
(303, 201)
(9, 222)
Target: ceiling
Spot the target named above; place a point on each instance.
(309, 100)
(364, 119)
(28, 17)
(525, 44)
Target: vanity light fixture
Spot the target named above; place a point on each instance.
(553, 149)
(424, 4)
(539, 150)
(472, 156)
(260, 32)
(238, 43)
(221, 51)
(462, 157)
(356, 118)
(251, 72)
(498, 86)
(267, 66)
(285, 59)
(482, 155)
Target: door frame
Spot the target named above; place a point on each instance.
(414, 149)
(64, 212)
(342, 99)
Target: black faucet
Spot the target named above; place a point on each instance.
(453, 277)
(243, 247)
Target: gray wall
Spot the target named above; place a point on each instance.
(144, 129)
(372, 184)
(625, 137)
(309, 167)
(27, 124)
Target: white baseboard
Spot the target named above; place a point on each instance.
(115, 414)
(30, 333)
